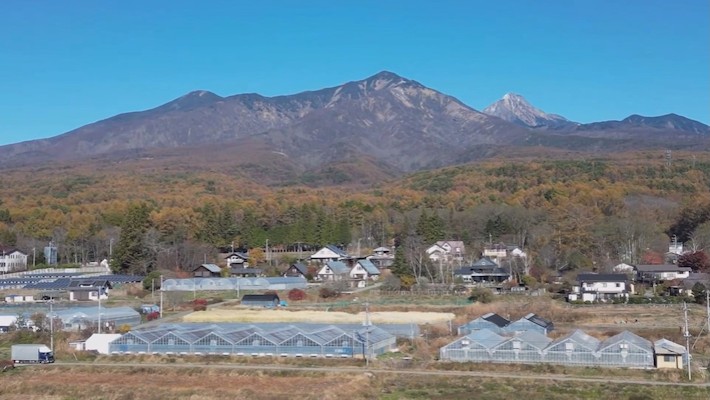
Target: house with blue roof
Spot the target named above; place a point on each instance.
(333, 271)
(363, 271)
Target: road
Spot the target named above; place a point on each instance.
(421, 372)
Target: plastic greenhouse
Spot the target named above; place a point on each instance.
(577, 348)
(490, 321)
(78, 318)
(193, 284)
(302, 340)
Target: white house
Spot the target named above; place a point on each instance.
(600, 287)
(12, 259)
(446, 251)
(623, 268)
(333, 271)
(329, 253)
(500, 251)
(364, 270)
(661, 273)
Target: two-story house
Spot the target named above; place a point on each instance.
(329, 253)
(12, 259)
(446, 251)
(333, 271)
(382, 257)
(601, 287)
(364, 270)
(484, 270)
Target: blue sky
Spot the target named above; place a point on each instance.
(64, 64)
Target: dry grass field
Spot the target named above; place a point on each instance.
(335, 317)
(162, 383)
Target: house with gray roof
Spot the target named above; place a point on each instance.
(207, 271)
(660, 273)
(329, 253)
(333, 271)
(296, 269)
(364, 270)
(483, 270)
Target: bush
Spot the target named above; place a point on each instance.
(481, 295)
(199, 305)
(152, 316)
(296, 294)
(327, 293)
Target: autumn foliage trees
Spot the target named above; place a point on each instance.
(567, 214)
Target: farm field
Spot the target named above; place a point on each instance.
(335, 317)
(158, 383)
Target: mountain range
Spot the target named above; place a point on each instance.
(385, 124)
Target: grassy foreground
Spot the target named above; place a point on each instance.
(156, 383)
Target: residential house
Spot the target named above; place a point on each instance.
(363, 271)
(329, 253)
(382, 257)
(237, 260)
(7, 323)
(88, 289)
(668, 354)
(530, 322)
(600, 287)
(333, 271)
(501, 251)
(490, 321)
(261, 300)
(12, 259)
(446, 251)
(207, 271)
(296, 270)
(686, 286)
(483, 270)
(623, 268)
(660, 273)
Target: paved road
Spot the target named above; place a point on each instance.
(344, 370)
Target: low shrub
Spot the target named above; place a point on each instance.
(296, 295)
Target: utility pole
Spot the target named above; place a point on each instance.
(99, 323)
(51, 325)
(267, 252)
(161, 296)
(367, 334)
(686, 333)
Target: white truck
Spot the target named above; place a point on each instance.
(31, 354)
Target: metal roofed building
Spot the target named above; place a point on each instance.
(530, 322)
(490, 321)
(282, 340)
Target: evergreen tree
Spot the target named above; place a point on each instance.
(399, 266)
(131, 254)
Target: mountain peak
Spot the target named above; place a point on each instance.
(516, 109)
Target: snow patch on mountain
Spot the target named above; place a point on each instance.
(514, 108)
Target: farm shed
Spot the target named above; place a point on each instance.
(490, 321)
(530, 322)
(626, 350)
(261, 300)
(300, 340)
(669, 354)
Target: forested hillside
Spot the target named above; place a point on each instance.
(567, 213)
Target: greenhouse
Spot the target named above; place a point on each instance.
(490, 321)
(78, 318)
(202, 284)
(577, 348)
(300, 340)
